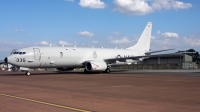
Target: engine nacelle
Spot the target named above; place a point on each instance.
(95, 66)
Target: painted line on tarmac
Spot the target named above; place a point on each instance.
(46, 103)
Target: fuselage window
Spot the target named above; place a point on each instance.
(24, 52)
(61, 54)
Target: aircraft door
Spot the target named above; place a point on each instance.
(37, 54)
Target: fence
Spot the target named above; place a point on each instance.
(150, 67)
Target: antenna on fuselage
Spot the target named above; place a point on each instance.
(75, 47)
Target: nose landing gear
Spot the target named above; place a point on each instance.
(6, 60)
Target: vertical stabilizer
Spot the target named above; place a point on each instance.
(144, 40)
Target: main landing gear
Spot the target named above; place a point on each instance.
(107, 70)
(85, 71)
(27, 73)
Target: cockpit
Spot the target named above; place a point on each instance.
(21, 53)
(17, 52)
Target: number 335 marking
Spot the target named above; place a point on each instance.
(20, 60)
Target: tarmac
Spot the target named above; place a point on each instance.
(121, 91)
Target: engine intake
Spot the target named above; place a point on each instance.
(95, 66)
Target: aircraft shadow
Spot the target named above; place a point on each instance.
(47, 73)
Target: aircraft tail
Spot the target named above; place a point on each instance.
(144, 40)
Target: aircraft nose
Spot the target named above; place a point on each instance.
(6, 60)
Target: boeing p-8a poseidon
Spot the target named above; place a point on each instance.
(92, 59)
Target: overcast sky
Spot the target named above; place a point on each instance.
(107, 23)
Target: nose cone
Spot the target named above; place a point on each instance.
(6, 60)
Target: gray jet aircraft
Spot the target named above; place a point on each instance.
(92, 59)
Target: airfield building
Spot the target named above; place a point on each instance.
(176, 60)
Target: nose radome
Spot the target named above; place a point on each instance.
(6, 60)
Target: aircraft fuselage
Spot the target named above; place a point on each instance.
(55, 57)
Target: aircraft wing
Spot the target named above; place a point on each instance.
(149, 52)
(123, 59)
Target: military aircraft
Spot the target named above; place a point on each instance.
(91, 59)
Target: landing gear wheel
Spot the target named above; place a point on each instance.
(107, 70)
(85, 71)
(28, 73)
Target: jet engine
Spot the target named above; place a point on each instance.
(95, 66)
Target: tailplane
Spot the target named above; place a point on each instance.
(144, 40)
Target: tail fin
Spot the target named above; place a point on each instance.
(144, 40)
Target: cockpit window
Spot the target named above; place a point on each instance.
(13, 52)
(21, 53)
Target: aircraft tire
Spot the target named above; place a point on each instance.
(107, 70)
(85, 71)
(28, 73)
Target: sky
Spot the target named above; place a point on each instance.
(98, 23)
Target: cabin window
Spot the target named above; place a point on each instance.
(61, 54)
